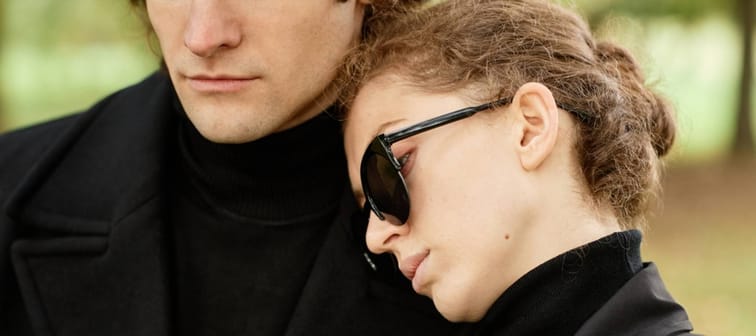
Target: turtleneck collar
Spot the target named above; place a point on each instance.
(558, 296)
(284, 178)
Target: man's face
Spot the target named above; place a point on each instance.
(244, 69)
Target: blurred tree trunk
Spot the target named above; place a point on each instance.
(743, 145)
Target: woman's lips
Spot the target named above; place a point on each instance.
(409, 265)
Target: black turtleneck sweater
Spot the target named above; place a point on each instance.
(558, 296)
(247, 223)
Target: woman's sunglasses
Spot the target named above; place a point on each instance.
(380, 171)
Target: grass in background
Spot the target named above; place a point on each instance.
(702, 241)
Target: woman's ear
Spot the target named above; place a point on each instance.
(537, 124)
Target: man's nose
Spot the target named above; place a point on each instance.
(211, 27)
(381, 235)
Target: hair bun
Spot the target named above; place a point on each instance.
(662, 126)
(655, 112)
(615, 57)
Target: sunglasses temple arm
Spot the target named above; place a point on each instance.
(442, 120)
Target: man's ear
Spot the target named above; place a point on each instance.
(537, 124)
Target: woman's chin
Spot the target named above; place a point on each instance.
(457, 311)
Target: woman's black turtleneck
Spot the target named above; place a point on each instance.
(247, 222)
(558, 296)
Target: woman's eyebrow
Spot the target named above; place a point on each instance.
(382, 128)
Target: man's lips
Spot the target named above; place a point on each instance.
(409, 265)
(218, 83)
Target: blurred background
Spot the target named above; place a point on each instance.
(57, 57)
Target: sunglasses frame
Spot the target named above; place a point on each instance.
(381, 145)
(384, 141)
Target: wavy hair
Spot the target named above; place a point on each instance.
(500, 45)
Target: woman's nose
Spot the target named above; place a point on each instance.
(381, 235)
(211, 27)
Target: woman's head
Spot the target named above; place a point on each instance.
(578, 147)
(497, 46)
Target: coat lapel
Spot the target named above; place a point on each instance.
(89, 248)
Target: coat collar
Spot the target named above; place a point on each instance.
(89, 253)
(115, 150)
(643, 306)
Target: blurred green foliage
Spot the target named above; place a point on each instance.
(692, 50)
(681, 10)
(61, 56)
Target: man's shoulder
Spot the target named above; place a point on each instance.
(31, 137)
(21, 149)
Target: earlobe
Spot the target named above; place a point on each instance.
(538, 124)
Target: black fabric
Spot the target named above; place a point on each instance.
(85, 235)
(641, 307)
(81, 226)
(558, 296)
(289, 177)
(601, 288)
(246, 220)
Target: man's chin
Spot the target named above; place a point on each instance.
(231, 135)
(225, 133)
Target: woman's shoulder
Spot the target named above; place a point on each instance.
(643, 306)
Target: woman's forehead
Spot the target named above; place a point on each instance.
(390, 97)
(377, 102)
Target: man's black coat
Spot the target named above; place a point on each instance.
(82, 235)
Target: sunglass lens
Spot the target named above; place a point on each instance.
(386, 187)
